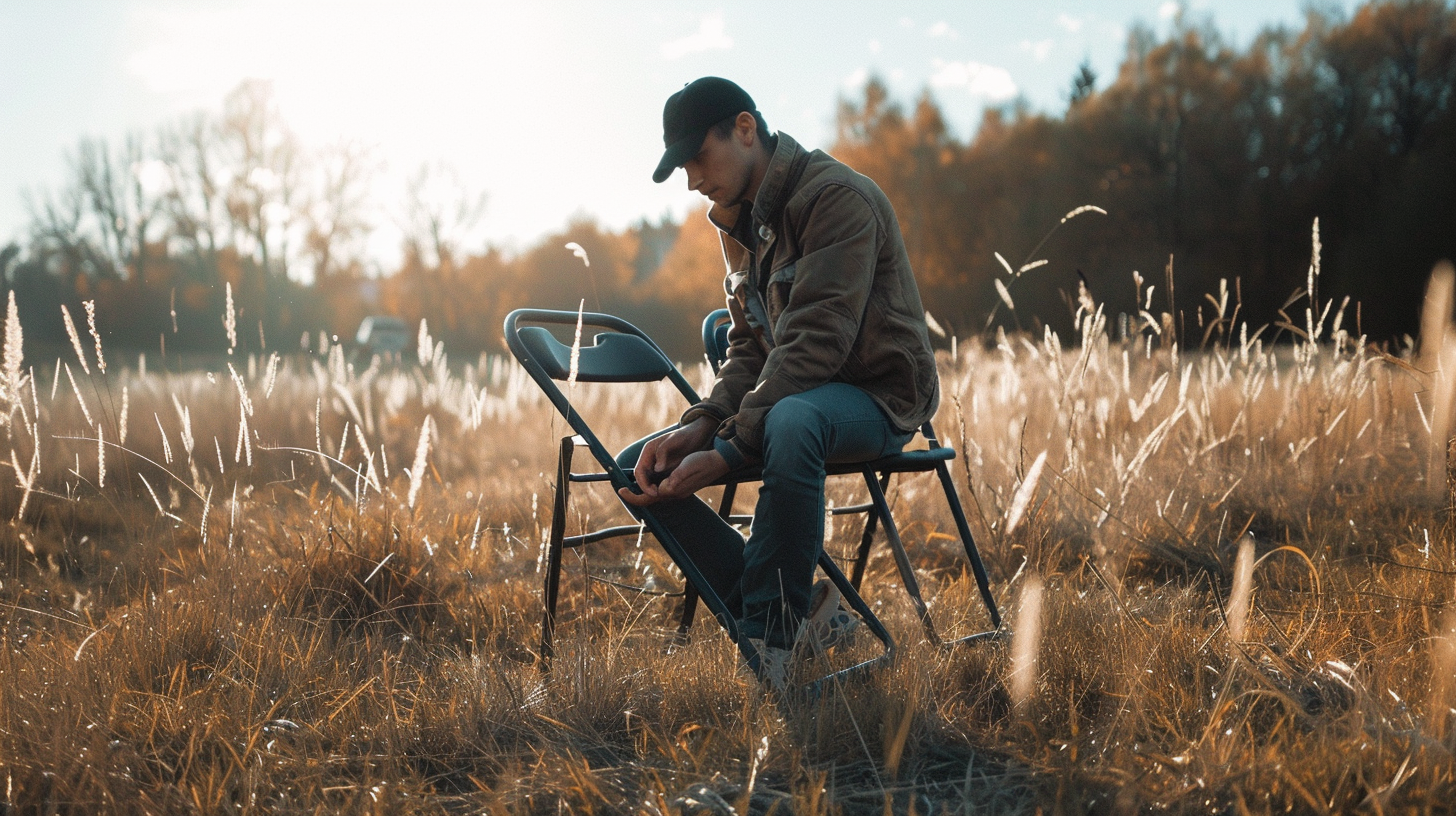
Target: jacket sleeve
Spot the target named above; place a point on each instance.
(841, 238)
(737, 374)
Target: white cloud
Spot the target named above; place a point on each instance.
(942, 29)
(875, 46)
(897, 74)
(857, 79)
(906, 22)
(710, 36)
(1038, 49)
(1167, 10)
(989, 82)
(1069, 23)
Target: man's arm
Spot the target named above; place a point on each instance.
(817, 329)
(738, 373)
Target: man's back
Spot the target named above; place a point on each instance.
(819, 271)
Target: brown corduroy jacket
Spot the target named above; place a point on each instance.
(820, 290)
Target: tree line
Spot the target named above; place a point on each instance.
(1202, 162)
(1209, 159)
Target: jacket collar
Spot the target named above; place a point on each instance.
(740, 222)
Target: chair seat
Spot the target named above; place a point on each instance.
(910, 461)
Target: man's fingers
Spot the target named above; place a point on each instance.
(635, 499)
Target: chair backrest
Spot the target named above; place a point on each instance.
(622, 353)
(612, 357)
(715, 337)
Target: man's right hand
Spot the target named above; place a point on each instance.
(661, 455)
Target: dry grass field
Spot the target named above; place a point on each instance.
(293, 585)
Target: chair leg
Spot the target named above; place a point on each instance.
(857, 603)
(902, 559)
(972, 552)
(553, 551)
(862, 558)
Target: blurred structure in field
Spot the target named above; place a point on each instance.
(384, 335)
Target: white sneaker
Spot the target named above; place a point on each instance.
(827, 625)
(773, 666)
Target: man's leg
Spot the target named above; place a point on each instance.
(713, 544)
(831, 423)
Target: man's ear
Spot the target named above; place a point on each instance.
(745, 128)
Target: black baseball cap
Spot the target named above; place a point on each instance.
(689, 113)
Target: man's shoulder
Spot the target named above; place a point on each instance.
(824, 173)
(823, 169)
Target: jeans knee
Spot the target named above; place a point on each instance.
(792, 424)
(790, 416)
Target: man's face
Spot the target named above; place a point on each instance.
(723, 169)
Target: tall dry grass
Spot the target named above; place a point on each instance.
(313, 586)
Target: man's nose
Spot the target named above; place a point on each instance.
(695, 180)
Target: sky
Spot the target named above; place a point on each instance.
(551, 109)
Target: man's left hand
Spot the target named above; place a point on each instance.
(697, 471)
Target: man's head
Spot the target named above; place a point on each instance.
(712, 129)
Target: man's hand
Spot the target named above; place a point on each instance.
(662, 455)
(695, 472)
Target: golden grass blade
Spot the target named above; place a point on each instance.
(1085, 208)
(230, 320)
(13, 358)
(1026, 645)
(576, 347)
(934, 325)
(1003, 293)
(576, 249)
(90, 307)
(270, 377)
(1438, 355)
(417, 470)
(1242, 592)
(1022, 499)
(242, 389)
(206, 506)
(79, 399)
(1441, 700)
(75, 338)
(424, 345)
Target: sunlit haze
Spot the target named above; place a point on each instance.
(551, 109)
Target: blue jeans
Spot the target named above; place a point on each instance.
(767, 581)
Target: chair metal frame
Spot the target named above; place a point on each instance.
(877, 476)
(635, 359)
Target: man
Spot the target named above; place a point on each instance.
(829, 358)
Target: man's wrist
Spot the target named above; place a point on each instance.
(730, 453)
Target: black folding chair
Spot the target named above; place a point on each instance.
(877, 510)
(624, 354)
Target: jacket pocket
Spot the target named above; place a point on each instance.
(780, 284)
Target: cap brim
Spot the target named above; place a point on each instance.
(677, 155)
